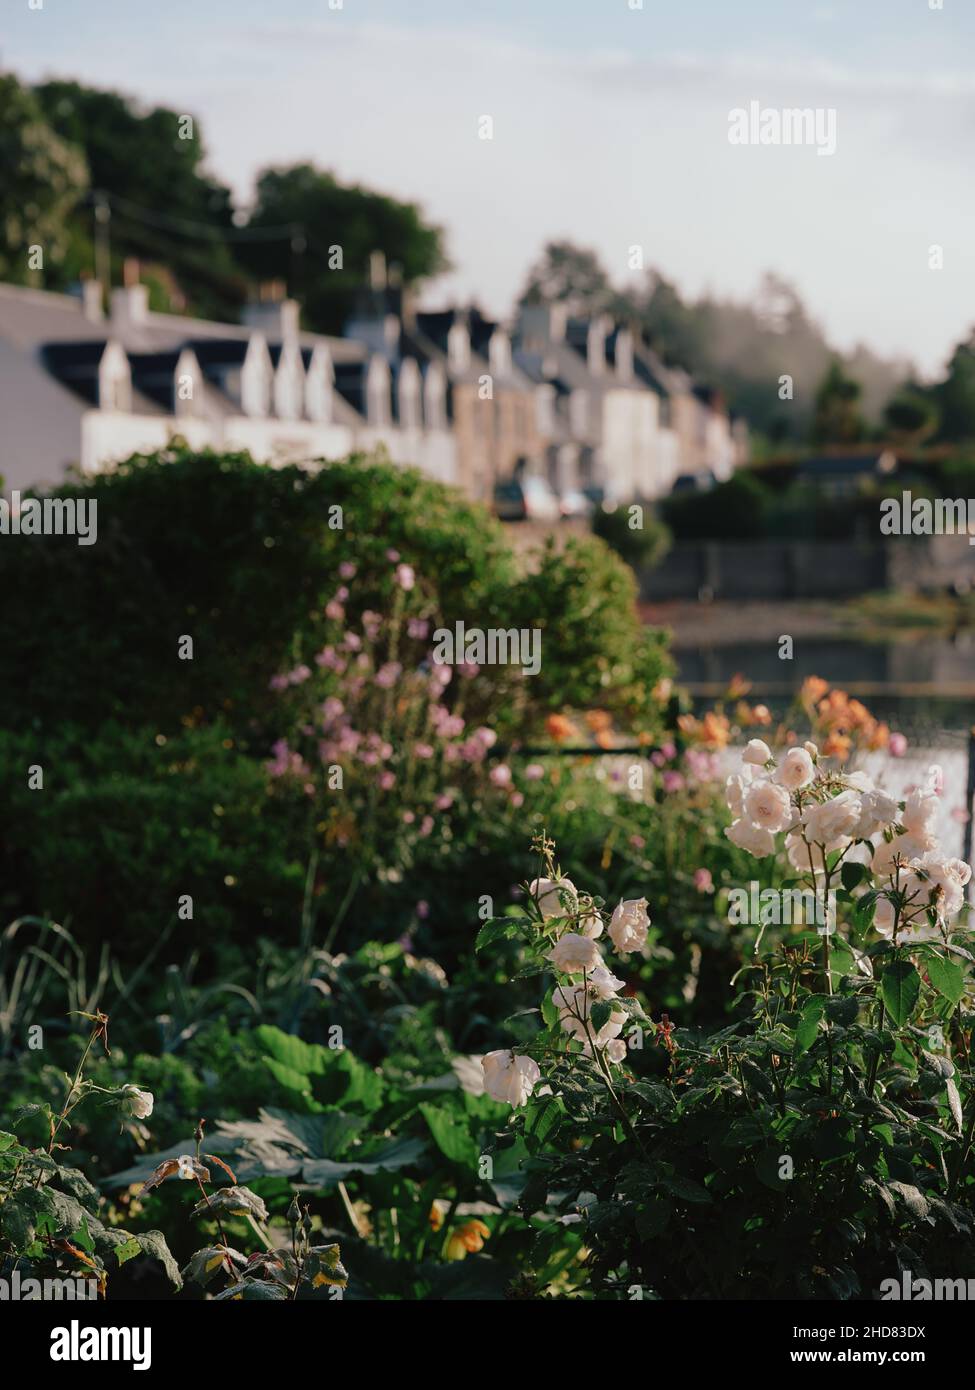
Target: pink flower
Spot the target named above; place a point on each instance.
(347, 569)
(334, 610)
(387, 780)
(467, 670)
(342, 594)
(703, 881)
(388, 675)
(534, 772)
(392, 556)
(371, 623)
(331, 709)
(423, 910)
(500, 775)
(672, 781)
(278, 683)
(423, 750)
(638, 842)
(299, 675)
(426, 825)
(897, 745)
(443, 802)
(408, 817)
(405, 577)
(418, 628)
(517, 799)
(669, 751)
(352, 641)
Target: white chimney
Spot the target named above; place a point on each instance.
(624, 354)
(91, 300)
(130, 305)
(278, 319)
(596, 346)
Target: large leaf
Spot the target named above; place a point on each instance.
(400, 1154)
(452, 1136)
(946, 977)
(900, 988)
(308, 1059)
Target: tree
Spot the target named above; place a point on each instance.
(42, 179)
(333, 230)
(571, 275)
(955, 396)
(165, 208)
(837, 418)
(911, 415)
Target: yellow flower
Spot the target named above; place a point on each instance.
(467, 1238)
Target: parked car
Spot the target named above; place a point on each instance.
(526, 499)
(575, 503)
(694, 482)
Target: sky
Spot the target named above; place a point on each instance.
(610, 127)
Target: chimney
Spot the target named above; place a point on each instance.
(624, 354)
(596, 345)
(278, 318)
(130, 304)
(91, 300)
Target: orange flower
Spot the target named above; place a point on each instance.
(604, 738)
(715, 730)
(813, 688)
(837, 746)
(661, 691)
(879, 736)
(559, 727)
(762, 715)
(467, 1238)
(436, 1215)
(738, 686)
(598, 720)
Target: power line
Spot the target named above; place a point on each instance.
(289, 230)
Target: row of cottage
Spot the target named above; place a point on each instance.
(466, 400)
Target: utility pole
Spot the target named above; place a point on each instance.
(103, 243)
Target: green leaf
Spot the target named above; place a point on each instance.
(900, 988)
(308, 1059)
(127, 1250)
(808, 1026)
(498, 929)
(402, 1153)
(946, 977)
(853, 875)
(452, 1138)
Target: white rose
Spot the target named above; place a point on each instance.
(768, 805)
(137, 1103)
(878, 810)
(800, 854)
(902, 847)
(796, 769)
(629, 923)
(950, 875)
(811, 749)
(555, 897)
(920, 816)
(832, 820)
(735, 789)
(575, 1003)
(757, 752)
(603, 982)
(509, 1078)
(752, 838)
(616, 1050)
(591, 924)
(573, 953)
